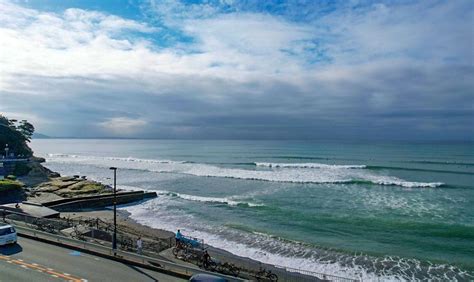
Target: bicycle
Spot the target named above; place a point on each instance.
(77, 234)
(126, 243)
(266, 275)
(42, 226)
(228, 268)
(210, 265)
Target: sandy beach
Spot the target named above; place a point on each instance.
(130, 226)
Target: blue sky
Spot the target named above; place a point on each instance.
(240, 69)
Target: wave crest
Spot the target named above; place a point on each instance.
(314, 173)
(309, 165)
(225, 200)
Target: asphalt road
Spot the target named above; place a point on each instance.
(31, 260)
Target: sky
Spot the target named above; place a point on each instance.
(227, 69)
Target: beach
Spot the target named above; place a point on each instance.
(131, 227)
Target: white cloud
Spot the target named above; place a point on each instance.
(66, 66)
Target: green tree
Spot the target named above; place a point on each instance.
(26, 128)
(13, 136)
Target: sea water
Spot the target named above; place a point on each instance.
(391, 211)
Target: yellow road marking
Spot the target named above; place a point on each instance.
(39, 268)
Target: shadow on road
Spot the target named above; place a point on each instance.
(11, 249)
(142, 272)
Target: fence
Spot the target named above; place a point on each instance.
(320, 276)
(96, 230)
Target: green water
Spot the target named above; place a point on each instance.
(403, 210)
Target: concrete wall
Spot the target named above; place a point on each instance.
(100, 201)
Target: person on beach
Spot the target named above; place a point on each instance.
(139, 245)
(206, 259)
(178, 238)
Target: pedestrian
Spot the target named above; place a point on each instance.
(206, 260)
(178, 238)
(139, 245)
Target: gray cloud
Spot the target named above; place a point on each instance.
(379, 82)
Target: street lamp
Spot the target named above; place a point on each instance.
(114, 240)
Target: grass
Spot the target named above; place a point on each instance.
(7, 185)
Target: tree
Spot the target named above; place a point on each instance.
(27, 129)
(15, 138)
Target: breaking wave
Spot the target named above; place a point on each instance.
(284, 172)
(309, 165)
(247, 242)
(226, 200)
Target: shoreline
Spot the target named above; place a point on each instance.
(125, 221)
(49, 186)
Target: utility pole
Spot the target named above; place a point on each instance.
(114, 240)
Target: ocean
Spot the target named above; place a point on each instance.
(379, 210)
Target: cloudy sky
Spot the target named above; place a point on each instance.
(240, 69)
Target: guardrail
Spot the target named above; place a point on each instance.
(321, 276)
(160, 265)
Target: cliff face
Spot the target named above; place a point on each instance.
(37, 173)
(29, 174)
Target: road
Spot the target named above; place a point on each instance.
(31, 260)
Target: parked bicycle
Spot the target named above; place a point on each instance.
(126, 244)
(77, 234)
(210, 264)
(264, 274)
(228, 268)
(44, 226)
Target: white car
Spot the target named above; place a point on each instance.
(7, 235)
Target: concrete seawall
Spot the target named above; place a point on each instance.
(99, 201)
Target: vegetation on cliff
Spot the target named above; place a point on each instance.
(8, 185)
(16, 134)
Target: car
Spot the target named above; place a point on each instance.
(7, 235)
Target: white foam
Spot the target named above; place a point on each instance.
(299, 174)
(216, 200)
(155, 213)
(224, 200)
(130, 159)
(309, 165)
(59, 155)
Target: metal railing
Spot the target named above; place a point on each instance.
(89, 228)
(318, 275)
